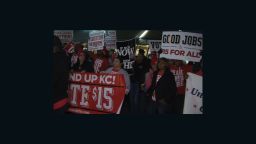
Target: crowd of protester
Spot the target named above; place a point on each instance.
(157, 85)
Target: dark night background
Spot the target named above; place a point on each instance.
(26, 58)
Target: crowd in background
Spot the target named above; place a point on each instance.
(156, 86)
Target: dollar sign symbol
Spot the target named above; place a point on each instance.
(94, 96)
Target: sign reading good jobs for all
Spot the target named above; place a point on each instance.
(96, 93)
(182, 45)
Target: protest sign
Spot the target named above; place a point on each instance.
(96, 40)
(194, 95)
(110, 39)
(64, 35)
(154, 45)
(182, 45)
(96, 92)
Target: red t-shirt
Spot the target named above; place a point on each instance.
(179, 74)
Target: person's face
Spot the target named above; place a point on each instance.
(161, 65)
(116, 63)
(82, 57)
(100, 53)
(178, 63)
(172, 62)
(154, 67)
(90, 53)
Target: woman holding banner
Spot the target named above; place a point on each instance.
(83, 64)
(117, 69)
(163, 90)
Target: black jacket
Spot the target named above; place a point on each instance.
(140, 71)
(87, 66)
(165, 90)
(60, 76)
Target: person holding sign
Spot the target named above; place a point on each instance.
(83, 64)
(117, 69)
(163, 90)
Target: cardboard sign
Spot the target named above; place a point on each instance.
(126, 50)
(154, 45)
(182, 45)
(96, 92)
(96, 40)
(64, 35)
(194, 95)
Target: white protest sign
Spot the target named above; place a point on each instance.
(193, 103)
(182, 45)
(96, 40)
(154, 45)
(110, 39)
(64, 35)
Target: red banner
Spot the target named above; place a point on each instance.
(96, 93)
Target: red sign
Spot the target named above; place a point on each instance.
(179, 76)
(96, 93)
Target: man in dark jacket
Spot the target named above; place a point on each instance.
(137, 95)
(60, 76)
(163, 89)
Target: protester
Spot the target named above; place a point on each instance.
(117, 69)
(148, 82)
(60, 76)
(179, 69)
(137, 95)
(197, 68)
(83, 64)
(163, 90)
(73, 50)
(149, 74)
(111, 57)
(101, 62)
(69, 49)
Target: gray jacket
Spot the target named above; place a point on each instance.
(126, 77)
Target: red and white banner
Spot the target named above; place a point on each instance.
(96, 40)
(193, 103)
(182, 45)
(64, 35)
(96, 93)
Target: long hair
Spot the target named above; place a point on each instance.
(166, 61)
